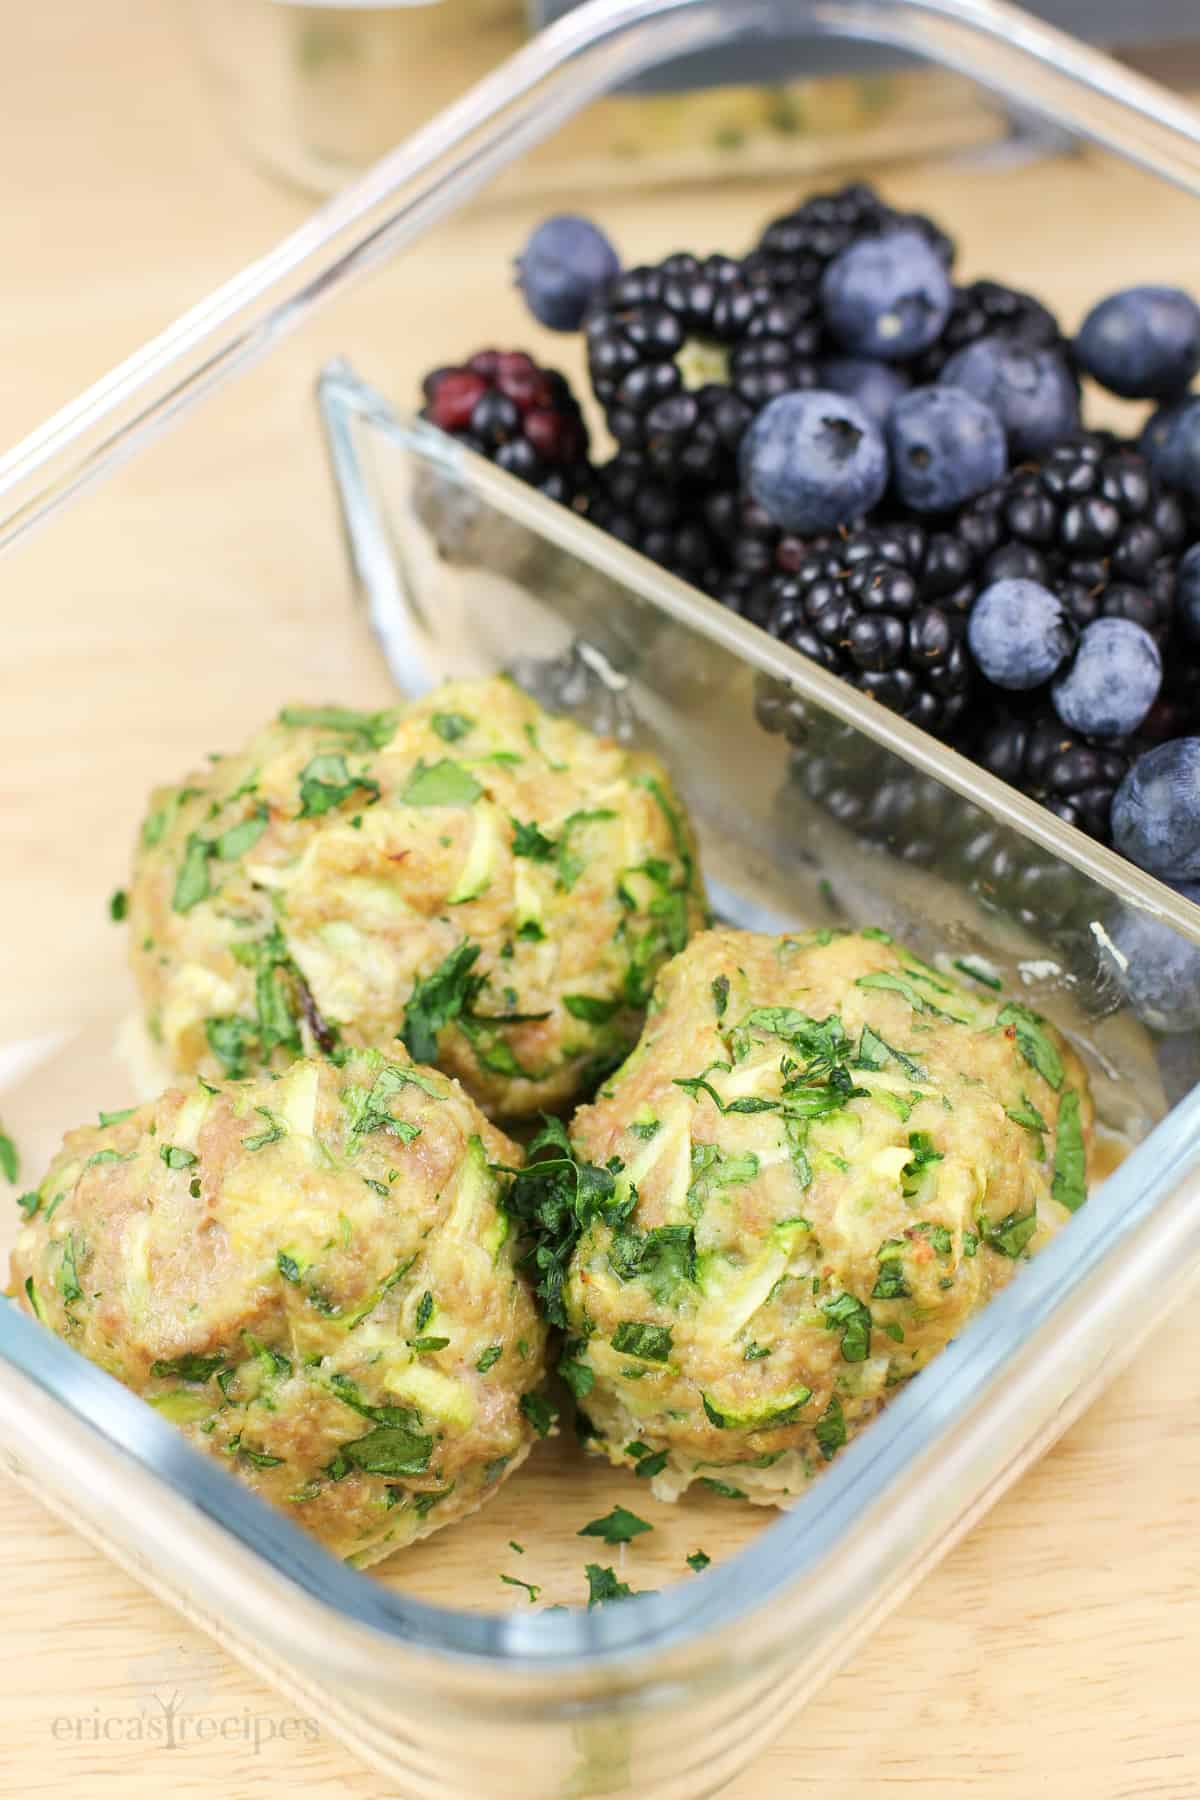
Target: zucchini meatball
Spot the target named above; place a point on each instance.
(312, 1276)
(497, 886)
(828, 1155)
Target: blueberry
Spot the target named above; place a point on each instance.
(1143, 343)
(1018, 633)
(1156, 811)
(875, 385)
(814, 460)
(563, 266)
(1173, 445)
(1158, 970)
(1154, 431)
(1187, 593)
(1113, 681)
(887, 296)
(1031, 392)
(946, 448)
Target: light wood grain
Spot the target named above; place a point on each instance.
(1052, 1653)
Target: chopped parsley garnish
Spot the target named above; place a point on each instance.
(726, 1491)
(720, 994)
(553, 1200)
(326, 781)
(370, 731)
(115, 1118)
(923, 1157)
(261, 1459)
(603, 1586)
(31, 1296)
(1034, 1042)
(617, 1527)
(230, 1039)
(1070, 1160)
(29, 1203)
(1028, 1116)
(10, 1161)
(663, 1258)
(490, 1358)
(389, 1450)
(854, 1319)
(191, 1367)
(713, 1169)
(191, 883)
(176, 1157)
(68, 1278)
(371, 1107)
(938, 1235)
(652, 1343)
(450, 726)
(288, 1267)
(519, 1548)
(970, 1243)
(107, 1156)
(830, 1430)
(875, 1052)
(440, 998)
(425, 1346)
(118, 906)
(242, 837)
(885, 981)
(540, 1412)
(590, 1009)
(1012, 1233)
(890, 1283)
(650, 1464)
(531, 842)
(444, 783)
(530, 1589)
(699, 1559)
(645, 1128)
(755, 1352)
(274, 1132)
(424, 1311)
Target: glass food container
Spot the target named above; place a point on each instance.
(449, 566)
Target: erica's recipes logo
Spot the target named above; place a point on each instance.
(175, 1704)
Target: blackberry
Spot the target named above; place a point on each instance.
(795, 250)
(1091, 522)
(988, 309)
(521, 417)
(662, 523)
(657, 333)
(1074, 779)
(885, 607)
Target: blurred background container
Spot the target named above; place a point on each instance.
(317, 89)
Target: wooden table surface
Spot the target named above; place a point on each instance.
(1054, 1651)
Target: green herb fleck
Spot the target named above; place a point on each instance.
(272, 1135)
(118, 906)
(1070, 1159)
(190, 1367)
(617, 1527)
(439, 999)
(1012, 1233)
(698, 1560)
(830, 1430)
(531, 842)
(1034, 1042)
(924, 1156)
(444, 783)
(191, 883)
(176, 1157)
(854, 1319)
(490, 1358)
(540, 1412)
(326, 781)
(530, 1589)
(652, 1343)
(722, 1487)
(590, 1009)
(370, 731)
(450, 726)
(720, 994)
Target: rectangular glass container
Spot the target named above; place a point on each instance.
(270, 583)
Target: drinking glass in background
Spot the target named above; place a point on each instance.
(318, 89)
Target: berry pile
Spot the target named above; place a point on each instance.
(890, 471)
